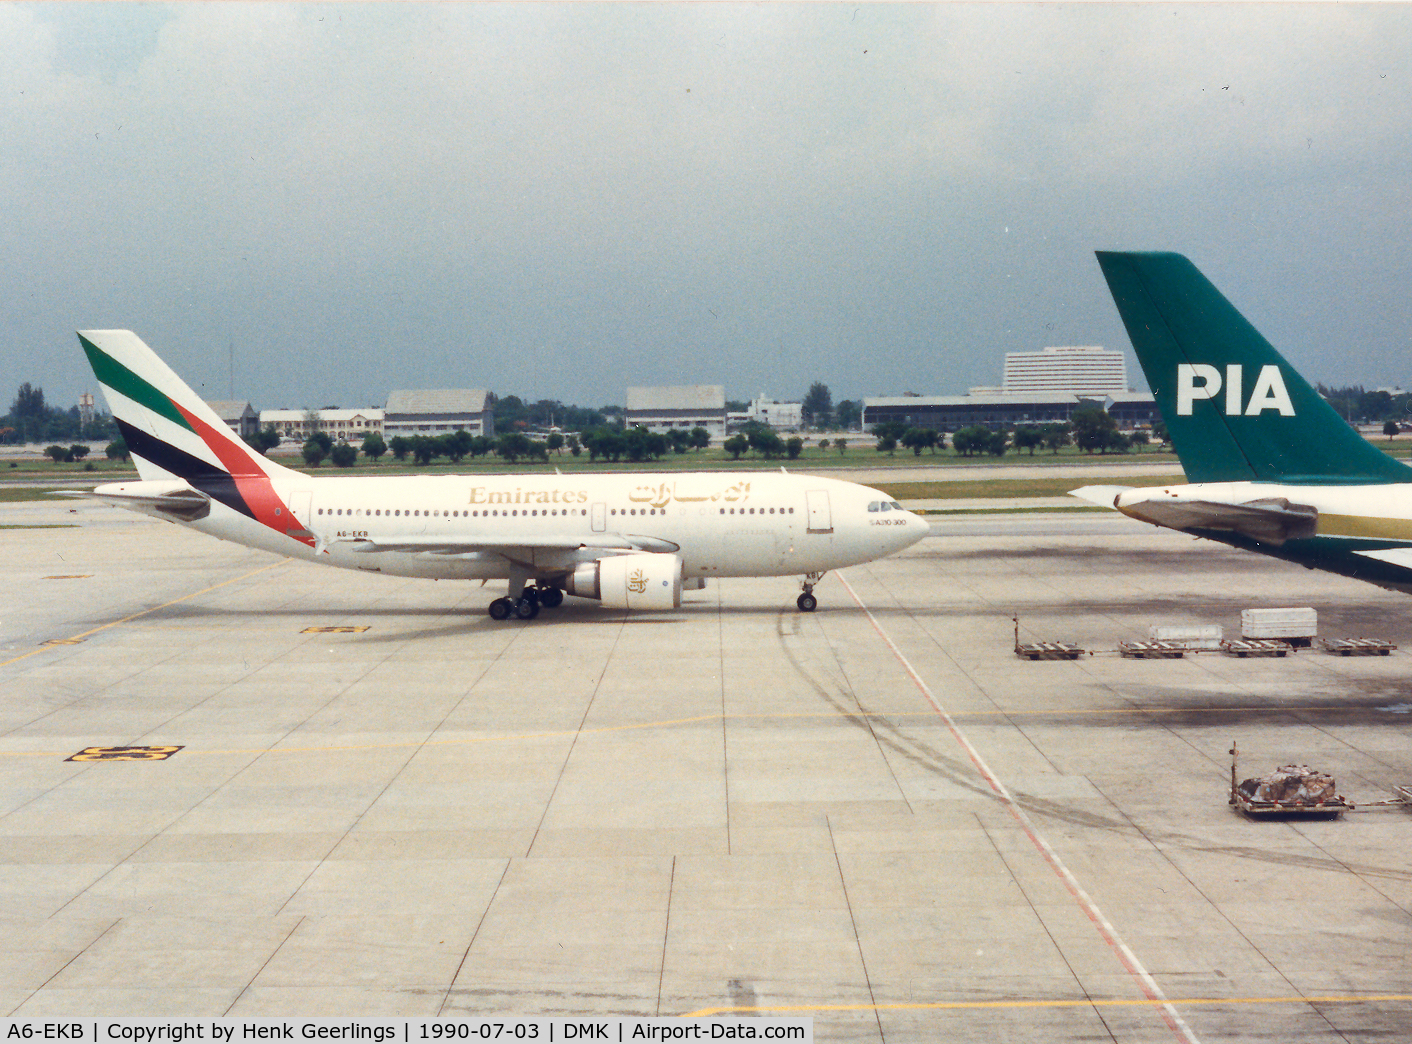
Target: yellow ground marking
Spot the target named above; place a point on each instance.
(133, 616)
(511, 737)
(70, 576)
(63, 641)
(1143, 1002)
(334, 630)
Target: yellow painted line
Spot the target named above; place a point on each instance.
(335, 630)
(511, 737)
(1141, 1002)
(144, 612)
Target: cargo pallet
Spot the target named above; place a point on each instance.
(1328, 809)
(1044, 650)
(1357, 646)
(1157, 650)
(1049, 651)
(1256, 647)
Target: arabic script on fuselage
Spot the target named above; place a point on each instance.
(658, 496)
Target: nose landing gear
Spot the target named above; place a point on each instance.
(807, 602)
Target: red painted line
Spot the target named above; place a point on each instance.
(1105, 928)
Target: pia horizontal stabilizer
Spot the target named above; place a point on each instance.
(1271, 520)
(1103, 496)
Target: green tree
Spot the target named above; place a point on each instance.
(848, 414)
(700, 438)
(1094, 429)
(555, 442)
(28, 413)
(117, 450)
(1056, 437)
(263, 440)
(1390, 428)
(314, 453)
(817, 406)
(59, 454)
(997, 442)
(400, 446)
(373, 445)
(841, 445)
(918, 439)
(1029, 438)
(513, 445)
(1159, 432)
(78, 451)
(736, 445)
(793, 447)
(343, 455)
(574, 447)
(424, 450)
(680, 439)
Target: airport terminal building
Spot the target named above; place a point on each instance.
(1044, 387)
(684, 406)
(438, 412)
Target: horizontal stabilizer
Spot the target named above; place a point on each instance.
(1103, 496)
(1398, 556)
(175, 499)
(1270, 521)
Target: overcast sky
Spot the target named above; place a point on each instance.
(560, 200)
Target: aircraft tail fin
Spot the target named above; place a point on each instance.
(1235, 409)
(169, 430)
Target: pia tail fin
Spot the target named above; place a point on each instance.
(1235, 409)
(169, 430)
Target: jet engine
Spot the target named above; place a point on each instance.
(647, 581)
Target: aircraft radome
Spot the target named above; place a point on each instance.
(632, 541)
(1271, 467)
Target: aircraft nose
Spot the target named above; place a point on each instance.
(916, 529)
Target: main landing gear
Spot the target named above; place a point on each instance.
(807, 602)
(527, 606)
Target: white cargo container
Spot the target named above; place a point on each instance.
(1279, 623)
(1190, 636)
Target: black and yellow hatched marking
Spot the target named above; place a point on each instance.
(70, 576)
(124, 754)
(334, 630)
(62, 641)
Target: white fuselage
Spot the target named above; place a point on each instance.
(726, 524)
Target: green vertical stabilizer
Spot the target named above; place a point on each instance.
(1235, 409)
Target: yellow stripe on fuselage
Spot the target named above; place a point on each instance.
(1366, 526)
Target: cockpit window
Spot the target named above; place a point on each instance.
(896, 506)
(886, 506)
(874, 506)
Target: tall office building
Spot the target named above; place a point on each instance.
(1087, 370)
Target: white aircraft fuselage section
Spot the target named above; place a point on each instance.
(720, 525)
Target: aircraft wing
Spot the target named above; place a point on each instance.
(460, 545)
(1271, 521)
(1103, 496)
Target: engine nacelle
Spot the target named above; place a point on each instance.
(629, 581)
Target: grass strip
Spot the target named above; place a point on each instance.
(1009, 489)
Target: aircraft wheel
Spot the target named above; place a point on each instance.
(501, 608)
(807, 603)
(527, 608)
(551, 597)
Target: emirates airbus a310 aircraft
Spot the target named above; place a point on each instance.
(630, 541)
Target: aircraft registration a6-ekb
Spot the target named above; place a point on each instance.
(1270, 466)
(630, 541)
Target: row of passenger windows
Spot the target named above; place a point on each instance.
(397, 513)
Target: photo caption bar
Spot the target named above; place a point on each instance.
(403, 1030)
